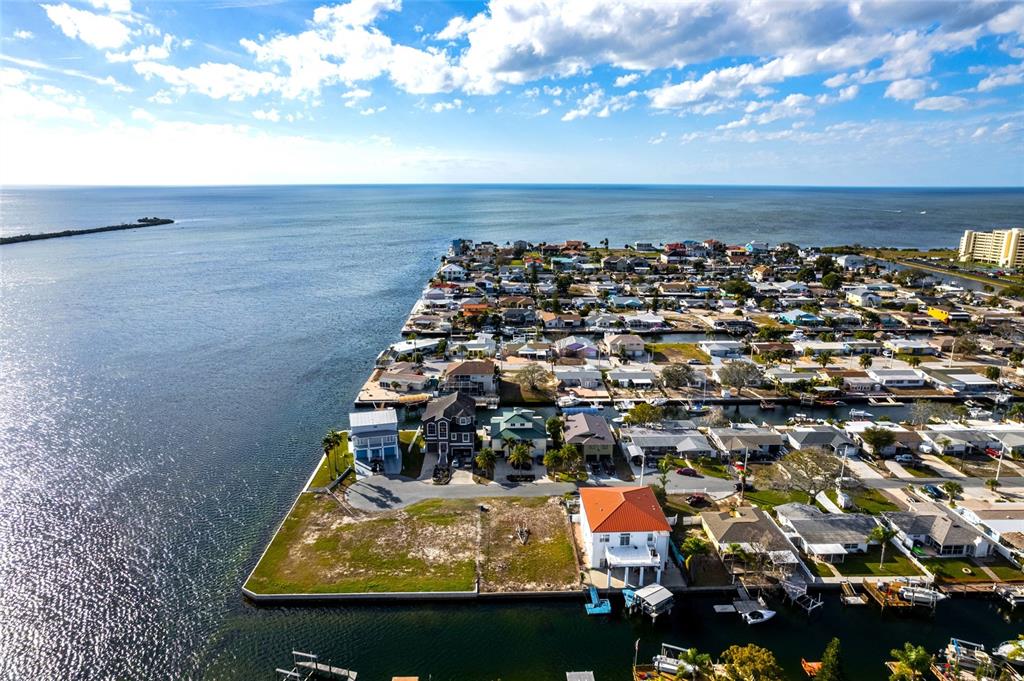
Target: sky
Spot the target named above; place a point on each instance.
(822, 92)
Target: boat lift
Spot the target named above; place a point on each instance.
(797, 595)
(1014, 595)
(598, 605)
(652, 600)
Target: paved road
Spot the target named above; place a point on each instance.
(382, 493)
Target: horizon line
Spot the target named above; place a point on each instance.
(517, 184)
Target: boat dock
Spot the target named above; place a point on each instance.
(850, 595)
(798, 596)
(307, 666)
(1014, 595)
(598, 605)
(886, 594)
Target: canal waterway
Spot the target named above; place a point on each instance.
(163, 392)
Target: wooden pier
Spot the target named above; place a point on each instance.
(307, 666)
(850, 595)
(886, 595)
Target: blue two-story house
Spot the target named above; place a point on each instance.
(373, 437)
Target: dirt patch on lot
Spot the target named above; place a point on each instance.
(546, 560)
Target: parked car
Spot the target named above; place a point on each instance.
(905, 459)
(933, 491)
(688, 472)
(698, 499)
(749, 487)
(595, 468)
(609, 467)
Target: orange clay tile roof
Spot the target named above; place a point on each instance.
(622, 509)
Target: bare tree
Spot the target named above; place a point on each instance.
(808, 470)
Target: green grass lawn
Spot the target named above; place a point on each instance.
(820, 569)
(770, 498)
(952, 570)
(677, 352)
(873, 501)
(922, 471)
(712, 469)
(511, 392)
(861, 565)
(1006, 570)
(412, 453)
(430, 546)
(330, 467)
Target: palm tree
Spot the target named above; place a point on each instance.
(883, 535)
(664, 468)
(485, 460)
(865, 361)
(331, 440)
(700, 664)
(952, 489)
(519, 455)
(912, 662)
(824, 358)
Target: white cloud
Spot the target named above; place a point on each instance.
(947, 103)
(844, 95)
(32, 102)
(438, 107)
(980, 132)
(628, 79)
(99, 31)
(272, 115)
(792, 106)
(218, 81)
(1002, 77)
(115, 6)
(837, 80)
(659, 138)
(908, 88)
(143, 115)
(369, 111)
(109, 81)
(144, 52)
(22, 34)
(595, 103)
(354, 97)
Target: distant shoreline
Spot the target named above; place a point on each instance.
(142, 222)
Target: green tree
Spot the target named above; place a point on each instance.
(330, 441)
(1016, 412)
(738, 288)
(832, 281)
(739, 374)
(485, 460)
(883, 535)
(644, 414)
(952, 489)
(877, 439)
(831, 665)
(865, 361)
(664, 468)
(572, 457)
(992, 484)
(677, 375)
(992, 373)
(691, 547)
(912, 662)
(824, 358)
(533, 376)
(519, 455)
(914, 361)
(554, 427)
(553, 459)
(750, 663)
(824, 264)
(700, 664)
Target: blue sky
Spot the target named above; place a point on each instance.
(257, 91)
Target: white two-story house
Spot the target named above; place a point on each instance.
(624, 527)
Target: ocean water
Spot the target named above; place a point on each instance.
(163, 392)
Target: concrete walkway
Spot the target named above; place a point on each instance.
(943, 468)
(382, 493)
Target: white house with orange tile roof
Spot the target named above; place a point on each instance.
(624, 527)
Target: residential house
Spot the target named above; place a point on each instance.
(403, 377)
(554, 320)
(624, 527)
(906, 440)
(897, 378)
(449, 427)
(576, 346)
(482, 345)
(753, 442)
(799, 317)
(938, 531)
(453, 272)
(1002, 522)
(959, 381)
(474, 377)
(645, 321)
(624, 345)
(827, 537)
(633, 378)
(675, 438)
(909, 346)
(373, 439)
(955, 439)
(748, 528)
(721, 348)
(591, 434)
(514, 426)
(578, 377)
(822, 436)
(863, 297)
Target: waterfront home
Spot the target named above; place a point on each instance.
(515, 426)
(799, 317)
(721, 348)
(1009, 436)
(851, 262)
(626, 302)
(948, 314)
(785, 377)
(906, 440)
(449, 427)
(483, 345)
(959, 381)
(578, 377)
(603, 321)
(814, 348)
(474, 377)
(742, 441)
(956, 439)
(746, 527)
(452, 272)
(518, 316)
(645, 321)
(534, 350)
(897, 378)
(827, 537)
(624, 527)
(674, 438)
(909, 346)
(576, 346)
(591, 435)
(373, 439)
(626, 377)
(937, 530)
(624, 345)
(858, 346)
(403, 377)
(1003, 522)
(821, 436)
(863, 297)
(554, 320)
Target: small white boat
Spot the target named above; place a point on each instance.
(1011, 651)
(758, 616)
(921, 595)
(659, 402)
(860, 414)
(568, 401)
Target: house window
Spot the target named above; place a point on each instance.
(603, 539)
(624, 539)
(431, 429)
(442, 430)
(464, 420)
(650, 537)
(466, 437)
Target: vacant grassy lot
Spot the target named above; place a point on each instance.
(664, 353)
(768, 499)
(867, 564)
(872, 501)
(545, 562)
(333, 465)
(429, 546)
(511, 392)
(952, 570)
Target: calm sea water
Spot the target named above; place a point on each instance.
(163, 391)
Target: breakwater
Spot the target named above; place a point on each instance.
(142, 222)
